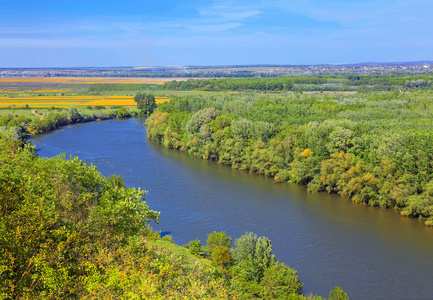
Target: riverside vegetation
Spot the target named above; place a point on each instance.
(375, 148)
(68, 232)
(22, 122)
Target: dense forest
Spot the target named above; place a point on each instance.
(241, 84)
(395, 82)
(374, 148)
(119, 87)
(68, 232)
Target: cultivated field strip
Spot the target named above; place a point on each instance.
(40, 101)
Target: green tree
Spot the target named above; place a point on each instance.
(337, 294)
(74, 115)
(195, 247)
(222, 256)
(280, 281)
(145, 102)
(242, 128)
(340, 140)
(252, 256)
(263, 130)
(200, 118)
(122, 112)
(216, 239)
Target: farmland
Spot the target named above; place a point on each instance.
(65, 101)
(44, 92)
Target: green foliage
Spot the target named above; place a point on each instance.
(23, 126)
(245, 247)
(252, 255)
(337, 294)
(168, 238)
(145, 102)
(55, 215)
(257, 273)
(66, 231)
(229, 84)
(280, 281)
(395, 82)
(122, 112)
(201, 118)
(371, 147)
(216, 239)
(242, 129)
(110, 87)
(195, 247)
(222, 256)
(74, 115)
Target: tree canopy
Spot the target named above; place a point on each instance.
(371, 147)
(145, 102)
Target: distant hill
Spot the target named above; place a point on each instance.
(405, 63)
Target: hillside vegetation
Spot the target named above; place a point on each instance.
(68, 232)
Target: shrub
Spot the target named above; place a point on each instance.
(168, 238)
(338, 294)
(280, 281)
(195, 247)
(216, 239)
(222, 256)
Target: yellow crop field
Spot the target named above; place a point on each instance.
(41, 101)
(12, 94)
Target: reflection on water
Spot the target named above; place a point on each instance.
(371, 253)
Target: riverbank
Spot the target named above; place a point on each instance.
(371, 148)
(19, 124)
(73, 220)
(371, 253)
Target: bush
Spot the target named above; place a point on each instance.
(195, 247)
(168, 238)
(216, 239)
(222, 256)
(280, 281)
(337, 294)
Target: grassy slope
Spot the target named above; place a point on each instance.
(182, 251)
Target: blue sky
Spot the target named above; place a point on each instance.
(80, 33)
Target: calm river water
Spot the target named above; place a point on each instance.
(371, 253)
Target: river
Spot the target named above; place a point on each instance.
(370, 253)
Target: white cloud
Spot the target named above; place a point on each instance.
(214, 27)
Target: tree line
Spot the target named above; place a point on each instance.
(21, 127)
(307, 83)
(231, 84)
(123, 87)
